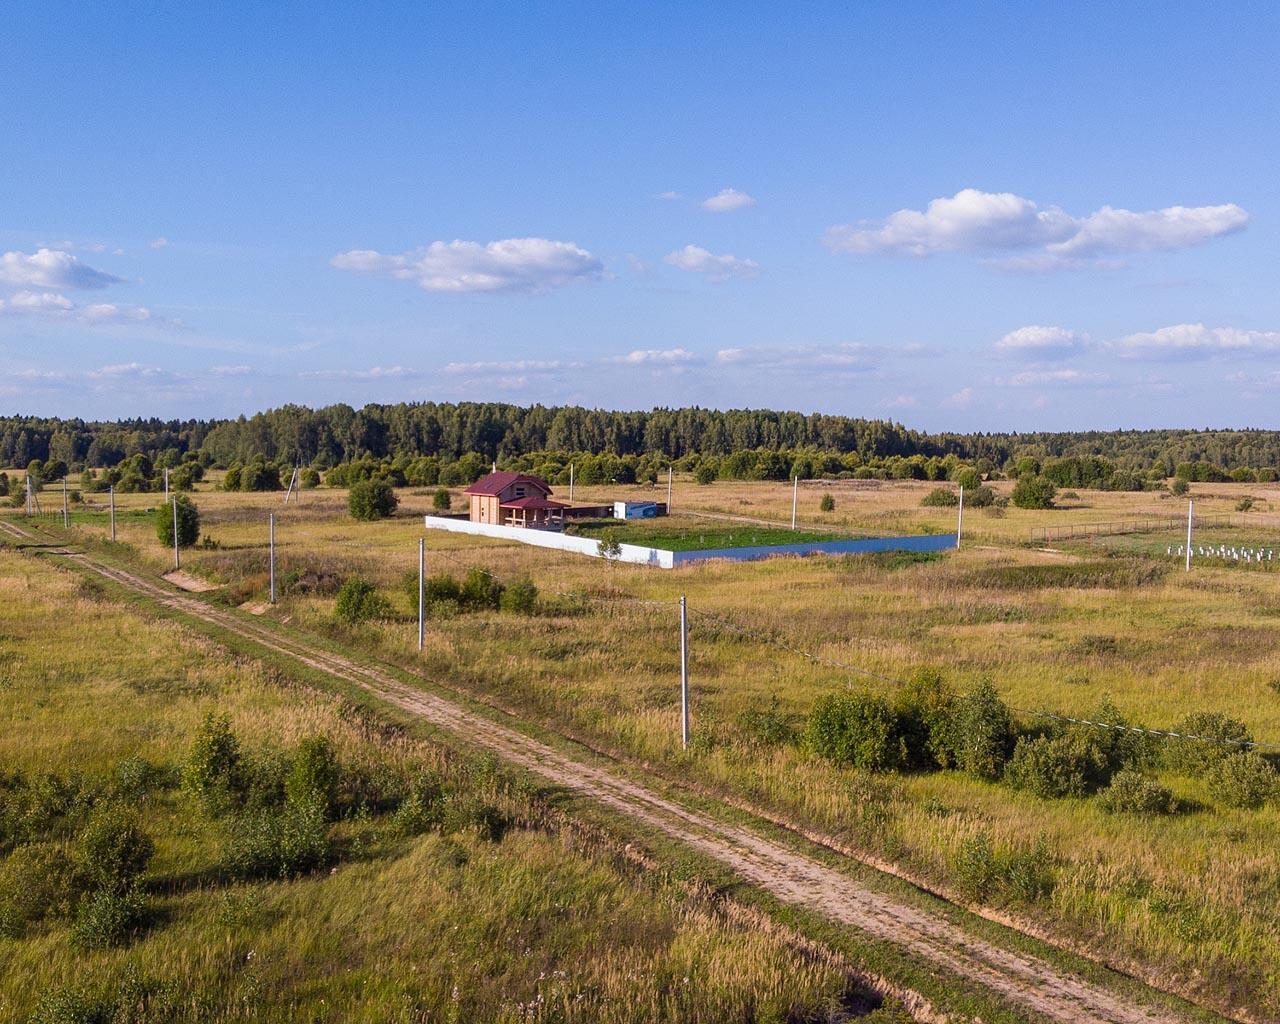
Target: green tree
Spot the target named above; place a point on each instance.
(828, 503)
(188, 522)
(1034, 492)
(371, 499)
(442, 499)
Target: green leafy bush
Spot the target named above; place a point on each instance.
(941, 497)
(313, 778)
(520, 596)
(371, 499)
(480, 590)
(1179, 487)
(1243, 780)
(278, 843)
(1221, 737)
(926, 707)
(706, 473)
(109, 917)
(828, 503)
(37, 881)
(984, 874)
(442, 500)
(1034, 492)
(770, 725)
(188, 522)
(422, 809)
(359, 601)
(1132, 792)
(212, 769)
(858, 730)
(113, 850)
(467, 813)
(1069, 764)
(982, 732)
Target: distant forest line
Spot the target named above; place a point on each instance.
(326, 437)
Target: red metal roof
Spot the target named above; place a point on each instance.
(533, 501)
(496, 483)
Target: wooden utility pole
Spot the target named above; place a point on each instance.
(684, 673)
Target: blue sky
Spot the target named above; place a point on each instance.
(957, 216)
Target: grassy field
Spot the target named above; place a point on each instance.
(487, 913)
(1187, 900)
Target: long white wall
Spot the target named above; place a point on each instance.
(638, 555)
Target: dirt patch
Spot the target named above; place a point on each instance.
(183, 580)
(255, 607)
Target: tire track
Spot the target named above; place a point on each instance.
(795, 878)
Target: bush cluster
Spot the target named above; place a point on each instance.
(372, 499)
(446, 597)
(360, 601)
(188, 522)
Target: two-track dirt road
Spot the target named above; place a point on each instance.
(1028, 983)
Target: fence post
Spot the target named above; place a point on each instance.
(795, 494)
(271, 543)
(113, 512)
(64, 502)
(422, 592)
(684, 673)
(1191, 511)
(177, 564)
(960, 518)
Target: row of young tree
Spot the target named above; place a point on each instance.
(297, 435)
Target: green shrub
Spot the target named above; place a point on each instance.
(423, 808)
(1222, 736)
(137, 778)
(1033, 492)
(520, 596)
(926, 709)
(309, 477)
(466, 813)
(37, 881)
(313, 778)
(1179, 487)
(770, 726)
(968, 478)
(982, 735)
(480, 590)
(980, 497)
(109, 917)
(1132, 792)
(113, 850)
(858, 730)
(442, 499)
(706, 473)
(983, 874)
(1244, 780)
(359, 601)
(941, 497)
(828, 503)
(279, 843)
(1069, 764)
(188, 522)
(212, 769)
(371, 499)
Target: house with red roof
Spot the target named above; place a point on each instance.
(506, 498)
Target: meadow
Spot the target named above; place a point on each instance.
(1186, 900)
(434, 887)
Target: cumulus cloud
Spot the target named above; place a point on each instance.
(1196, 341)
(158, 243)
(727, 200)
(697, 260)
(1040, 343)
(1040, 238)
(128, 371)
(51, 268)
(961, 399)
(800, 357)
(510, 265)
(659, 357)
(54, 306)
(669, 196)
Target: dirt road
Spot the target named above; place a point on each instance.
(1024, 981)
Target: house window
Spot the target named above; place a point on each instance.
(519, 490)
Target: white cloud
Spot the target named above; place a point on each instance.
(727, 200)
(508, 366)
(54, 306)
(230, 371)
(51, 268)
(129, 371)
(697, 260)
(1063, 377)
(158, 243)
(36, 304)
(899, 402)
(109, 313)
(1039, 342)
(1196, 341)
(800, 357)
(989, 223)
(373, 373)
(510, 265)
(962, 399)
(668, 196)
(659, 357)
